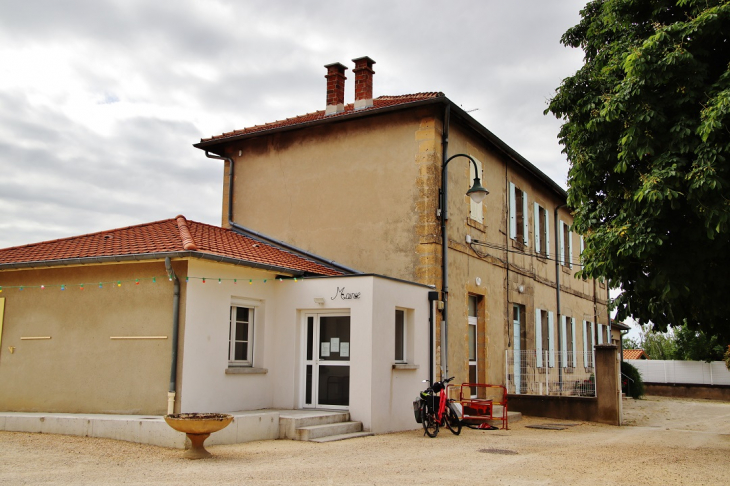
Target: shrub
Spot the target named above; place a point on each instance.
(633, 388)
(726, 357)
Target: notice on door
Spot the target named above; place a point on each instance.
(335, 345)
(325, 352)
(344, 350)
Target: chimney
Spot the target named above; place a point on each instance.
(335, 88)
(363, 82)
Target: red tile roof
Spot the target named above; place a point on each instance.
(378, 103)
(635, 354)
(167, 236)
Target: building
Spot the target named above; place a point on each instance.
(361, 182)
(179, 316)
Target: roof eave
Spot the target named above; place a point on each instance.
(441, 99)
(141, 257)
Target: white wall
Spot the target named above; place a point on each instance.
(380, 396)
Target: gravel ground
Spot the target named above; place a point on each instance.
(666, 441)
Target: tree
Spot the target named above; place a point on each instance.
(631, 343)
(697, 346)
(658, 345)
(645, 132)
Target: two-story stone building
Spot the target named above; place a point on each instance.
(360, 183)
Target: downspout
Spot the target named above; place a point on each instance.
(262, 237)
(557, 286)
(432, 297)
(444, 245)
(506, 257)
(175, 333)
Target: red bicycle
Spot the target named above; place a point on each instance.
(434, 411)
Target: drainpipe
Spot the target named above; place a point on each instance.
(432, 297)
(262, 237)
(445, 246)
(557, 285)
(175, 332)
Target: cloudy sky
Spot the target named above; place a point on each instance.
(101, 100)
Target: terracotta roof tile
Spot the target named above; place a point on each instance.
(378, 103)
(635, 354)
(165, 236)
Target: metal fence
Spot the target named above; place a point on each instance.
(561, 373)
(689, 372)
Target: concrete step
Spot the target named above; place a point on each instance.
(332, 438)
(290, 422)
(318, 431)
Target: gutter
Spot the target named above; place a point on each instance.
(172, 390)
(262, 237)
(557, 287)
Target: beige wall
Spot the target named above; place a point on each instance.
(365, 193)
(346, 191)
(80, 369)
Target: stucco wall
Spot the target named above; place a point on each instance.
(80, 369)
(365, 193)
(380, 397)
(346, 191)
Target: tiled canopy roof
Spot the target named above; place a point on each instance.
(635, 354)
(167, 236)
(380, 102)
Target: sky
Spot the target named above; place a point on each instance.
(101, 100)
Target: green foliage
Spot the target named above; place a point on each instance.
(658, 345)
(630, 343)
(697, 346)
(726, 357)
(645, 131)
(631, 382)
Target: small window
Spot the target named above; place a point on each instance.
(400, 336)
(567, 346)
(566, 245)
(542, 231)
(518, 214)
(240, 336)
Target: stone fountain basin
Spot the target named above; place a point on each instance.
(198, 423)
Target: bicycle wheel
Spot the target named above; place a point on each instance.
(452, 420)
(430, 426)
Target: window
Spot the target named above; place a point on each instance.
(400, 336)
(567, 342)
(476, 210)
(544, 337)
(601, 334)
(240, 336)
(517, 214)
(588, 344)
(566, 245)
(542, 231)
(472, 319)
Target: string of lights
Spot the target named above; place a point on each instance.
(138, 281)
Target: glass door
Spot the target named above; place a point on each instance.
(327, 361)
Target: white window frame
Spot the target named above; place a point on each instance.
(472, 322)
(541, 247)
(600, 334)
(476, 210)
(250, 337)
(404, 336)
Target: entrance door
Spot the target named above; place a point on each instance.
(327, 361)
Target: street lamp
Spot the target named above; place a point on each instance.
(477, 193)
